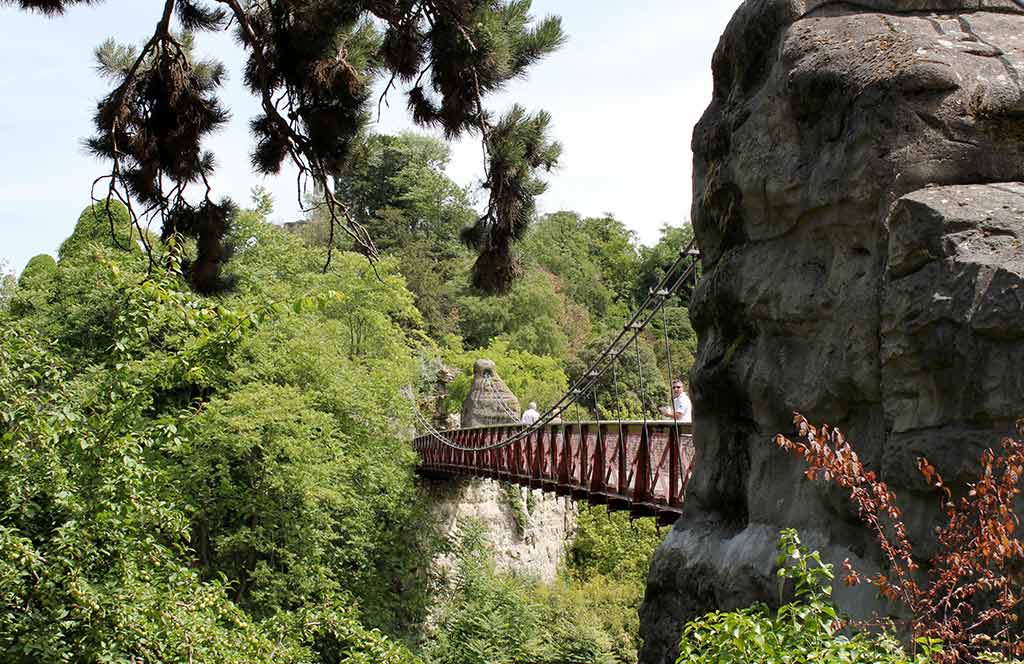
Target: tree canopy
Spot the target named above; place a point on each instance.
(313, 65)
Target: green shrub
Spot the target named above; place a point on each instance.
(805, 630)
(490, 617)
(207, 480)
(92, 563)
(612, 545)
(102, 224)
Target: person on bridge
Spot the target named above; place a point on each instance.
(682, 409)
(530, 415)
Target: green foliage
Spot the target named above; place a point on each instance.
(39, 271)
(534, 315)
(78, 304)
(491, 617)
(630, 388)
(223, 479)
(32, 289)
(107, 225)
(655, 261)
(398, 190)
(93, 568)
(805, 630)
(611, 545)
(673, 324)
(311, 421)
(595, 257)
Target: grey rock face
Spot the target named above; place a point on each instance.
(489, 401)
(857, 203)
(534, 551)
(536, 548)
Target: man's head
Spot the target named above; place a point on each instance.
(678, 387)
(532, 405)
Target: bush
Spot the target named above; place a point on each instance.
(207, 480)
(970, 595)
(490, 617)
(92, 563)
(805, 630)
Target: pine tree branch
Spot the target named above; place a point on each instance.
(300, 150)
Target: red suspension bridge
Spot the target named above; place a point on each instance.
(641, 466)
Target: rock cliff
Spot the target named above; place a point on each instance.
(528, 529)
(858, 204)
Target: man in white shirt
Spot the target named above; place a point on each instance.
(682, 409)
(530, 415)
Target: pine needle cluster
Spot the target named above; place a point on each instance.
(314, 64)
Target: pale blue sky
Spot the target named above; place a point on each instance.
(624, 93)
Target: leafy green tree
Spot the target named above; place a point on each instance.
(612, 545)
(595, 257)
(674, 341)
(534, 315)
(33, 288)
(313, 65)
(412, 209)
(310, 415)
(634, 385)
(278, 452)
(492, 617)
(107, 224)
(399, 191)
(92, 566)
(76, 301)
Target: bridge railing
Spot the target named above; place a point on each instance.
(638, 466)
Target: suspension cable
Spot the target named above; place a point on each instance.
(489, 385)
(671, 372)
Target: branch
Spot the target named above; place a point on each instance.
(299, 149)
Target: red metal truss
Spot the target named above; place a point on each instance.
(636, 466)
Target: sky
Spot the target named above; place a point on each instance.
(624, 94)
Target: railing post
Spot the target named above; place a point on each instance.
(584, 456)
(597, 484)
(564, 457)
(622, 486)
(537, 463)
(642, 477)
(675, 488)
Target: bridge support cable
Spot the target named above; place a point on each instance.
(643, 463)
(678, 274)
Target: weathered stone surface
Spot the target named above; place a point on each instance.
(534, 551)
(489, 401)
(848, 275)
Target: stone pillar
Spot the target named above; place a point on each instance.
(857, 205)
(489, 401)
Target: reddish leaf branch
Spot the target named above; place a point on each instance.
(970, 594)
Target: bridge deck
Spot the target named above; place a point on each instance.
(635, 466)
